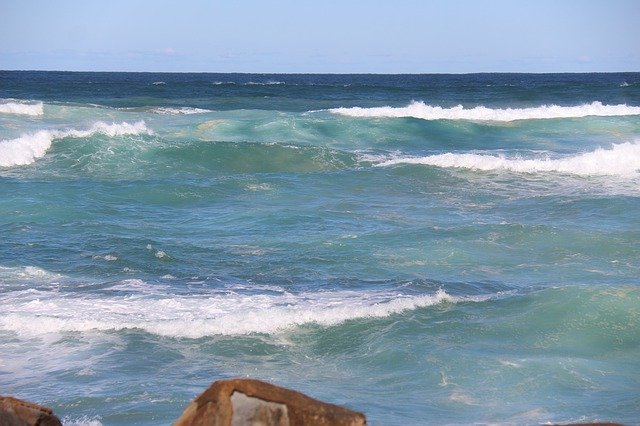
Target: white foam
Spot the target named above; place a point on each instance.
(264, 83)
(25, 149)
(620, 160)
(481, 113)
(180, 111)
(227, 313)
(138, 286)
(29, 147)
(29, 273)
(82, 421)
(21, 107)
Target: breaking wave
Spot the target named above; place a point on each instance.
(481, 113)
(29, 147)
(180, 111)
(21, 107)
(215, 314)
(264, 83)
(619, 160)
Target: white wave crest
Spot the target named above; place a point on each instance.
(481, 113)
(82, 421)
(179, 111)
(26, 273)
(21, 107)
(620, 160)
(264, 83)
(198, 316)
(29, 147)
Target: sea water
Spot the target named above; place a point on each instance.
(426, 249)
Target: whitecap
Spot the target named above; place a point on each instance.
(179, 111)
(619, 160)
(194, 316)
(27, 148)
(264, 83)
(482, 113)
(82, 421)
(26, 273)
(12, 106)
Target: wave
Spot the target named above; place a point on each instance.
(264, 83)
(29, 147)
(180, 111)
(26, 273)
(21, 108)
(481, 113)
(620, 160)
(36, 313)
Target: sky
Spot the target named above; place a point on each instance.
(328, 36)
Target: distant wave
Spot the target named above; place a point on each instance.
(28, 147)
(214, 314)
(620, 160)
(481, 113)
(10, 106)
(250, 83)
(158, 83)
(179, 111)
(264, 83)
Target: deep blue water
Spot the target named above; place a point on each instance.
(426, 249)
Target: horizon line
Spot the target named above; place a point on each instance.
(323, 73)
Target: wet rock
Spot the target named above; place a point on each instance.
(15, 412)
(242, 402)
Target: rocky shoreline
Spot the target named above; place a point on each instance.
(226, 402)
(234, 402)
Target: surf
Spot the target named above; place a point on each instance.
(621, 160)
(27, 148)
(481, 113)
(135, 304)
(10, 106)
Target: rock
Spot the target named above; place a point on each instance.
(242, 402)
(15, 412)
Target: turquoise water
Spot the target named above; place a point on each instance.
(428, 249)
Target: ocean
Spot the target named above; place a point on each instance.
(425, 249)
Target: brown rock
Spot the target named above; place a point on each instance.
(15, 412)
(252, 402)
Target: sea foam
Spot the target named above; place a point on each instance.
(481, 113)
(179, 111)
(205, 315)
(620, 160)
(10, 106)
(27, 148)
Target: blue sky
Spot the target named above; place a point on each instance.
(409, 36)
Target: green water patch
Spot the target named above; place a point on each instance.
(245, 157)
